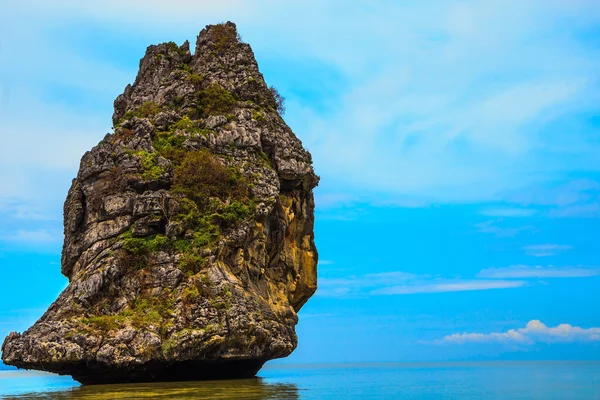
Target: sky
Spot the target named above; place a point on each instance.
(457, 143)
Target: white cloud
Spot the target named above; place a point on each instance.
(585, 210)
(402, 283)
(560, 194)
(534, 332)
(398, 283)
(492, 227)
(326, 262)
(334, 199)
(19, 210)
(456, 286)
(579, 198)
(538, 271)
(40, 236)
(545, 250)
(508, 212)
(355, 283)
(324, 315)
(432, 106)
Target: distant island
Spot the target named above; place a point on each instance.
(189, 243)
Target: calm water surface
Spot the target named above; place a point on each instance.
(485, 380)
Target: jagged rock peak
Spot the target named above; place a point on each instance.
(220, 58)
(189, 243)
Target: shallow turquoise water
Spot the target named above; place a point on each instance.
(485, 380)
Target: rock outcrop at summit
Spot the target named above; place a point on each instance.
(189, 244)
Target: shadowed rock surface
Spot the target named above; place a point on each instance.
(189, 242)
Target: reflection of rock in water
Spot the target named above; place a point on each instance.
(250, 389)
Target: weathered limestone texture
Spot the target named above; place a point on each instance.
(189, 242)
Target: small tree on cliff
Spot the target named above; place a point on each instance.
(279, 99)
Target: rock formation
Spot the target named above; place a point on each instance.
(188, 231)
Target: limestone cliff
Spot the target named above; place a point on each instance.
(188, 231)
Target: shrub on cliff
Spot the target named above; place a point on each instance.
(279, 100)
(214, 100)
(201, 176)
(146, 110)
(224, 36)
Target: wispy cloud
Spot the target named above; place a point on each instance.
(400, 283)
(21, 210)
(454, 108)
(582, 210)
(334, 199)
(534, 332)
(40, 236)
(324, 315)
(361, 283)
(559, 194)
(492, 227)
(508, 212)
(451, 286)
(326, 262)
(576, 198)
(538, 271)
(545, 250)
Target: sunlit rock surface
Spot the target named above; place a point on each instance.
(189, 242)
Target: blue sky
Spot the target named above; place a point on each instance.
(457, 144)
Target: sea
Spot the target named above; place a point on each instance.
(453, 380)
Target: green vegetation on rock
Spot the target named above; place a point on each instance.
(188, 125)
(190, 294)
(215, 100)
(191, 262)
(279, 100)
(151, 170)
(195, 79)
(136, 250)
(201, 176)
(224, 37)
(235, 212)
(144, 311)
(170, 146)
(185, 67)
(172, 46)
(213, 196)
(146, 110)
(106, 322)
(258, 115)
(145, 245)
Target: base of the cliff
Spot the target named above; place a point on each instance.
(99, 374)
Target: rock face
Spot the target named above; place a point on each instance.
(188, 231)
